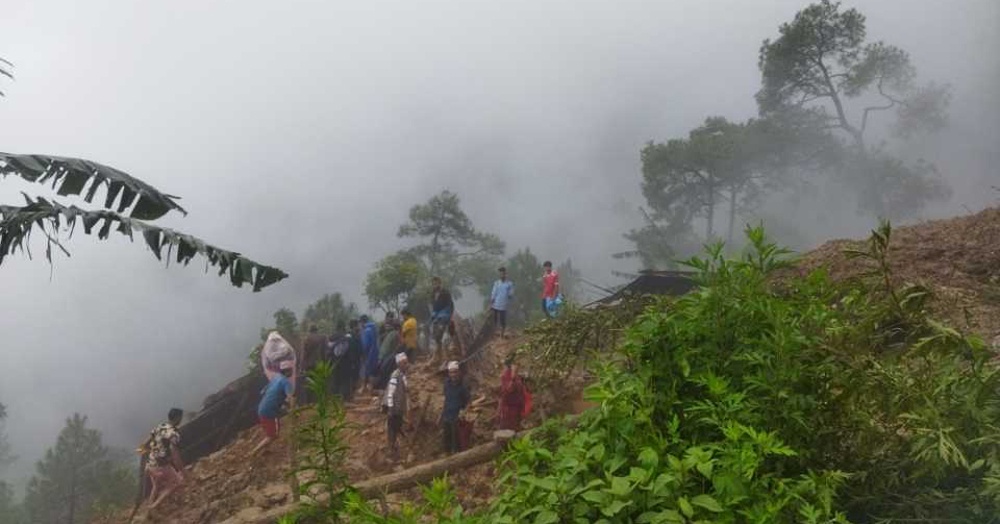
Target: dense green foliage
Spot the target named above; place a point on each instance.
(812, 402)
(759, 399)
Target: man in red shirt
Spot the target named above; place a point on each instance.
(550, 286)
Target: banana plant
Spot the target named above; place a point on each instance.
(128, 206)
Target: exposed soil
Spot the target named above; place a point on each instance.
(958, 259)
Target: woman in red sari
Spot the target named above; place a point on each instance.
(513, 399)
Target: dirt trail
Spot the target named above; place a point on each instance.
(231, 486)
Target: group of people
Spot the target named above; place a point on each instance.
(366, 356)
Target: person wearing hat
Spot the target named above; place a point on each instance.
(277, 391)
(394, 403)
(456, 398)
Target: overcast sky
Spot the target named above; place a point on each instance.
(300, 133)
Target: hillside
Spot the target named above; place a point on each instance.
(959, 259)
(231, 486)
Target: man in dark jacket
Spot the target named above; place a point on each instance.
(342, 380)
(355, 355)
(456, 398)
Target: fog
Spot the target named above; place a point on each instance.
(301, 133)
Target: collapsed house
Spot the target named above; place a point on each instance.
(651, 282)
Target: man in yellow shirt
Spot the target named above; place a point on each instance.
(409, 333)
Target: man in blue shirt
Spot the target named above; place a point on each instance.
(269, 410)
(503, 292)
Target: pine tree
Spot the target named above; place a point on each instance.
(74, 476)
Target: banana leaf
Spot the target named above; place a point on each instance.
(70, 176)
(18, 222)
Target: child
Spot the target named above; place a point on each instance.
(277, 391)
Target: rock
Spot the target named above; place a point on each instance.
(275, 494)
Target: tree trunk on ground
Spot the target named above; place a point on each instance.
(394, 482)
(424, 473)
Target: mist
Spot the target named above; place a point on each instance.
(301, 134)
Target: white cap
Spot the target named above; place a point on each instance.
(453, 365)
(400, 357)
(286, 364)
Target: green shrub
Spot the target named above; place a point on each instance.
(746, 401)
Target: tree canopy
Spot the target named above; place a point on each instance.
(451, 247)
(394, 280)
(820, 64)
(328, 311)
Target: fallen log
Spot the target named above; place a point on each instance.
(408, 478)
(424, 473)
(392, 482)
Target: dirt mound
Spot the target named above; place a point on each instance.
(230, 482)
(957, 258)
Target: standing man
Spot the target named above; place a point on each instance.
(550, 287)
(456, 398)
(442, 308)
(503, 292)
(394, 403)
(369, 341)
(355, 355)
(277, 391)
(313, 350)
(165, 467)
(410, 333)
(337, 350)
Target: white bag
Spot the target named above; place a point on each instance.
(275, 350)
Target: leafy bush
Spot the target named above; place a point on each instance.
(438, 505)
(749, 402)
(760, 400)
